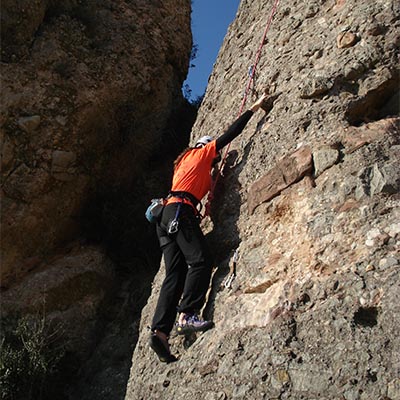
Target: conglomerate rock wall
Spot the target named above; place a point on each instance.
(87, 91)
(310, 199)
(91, 101)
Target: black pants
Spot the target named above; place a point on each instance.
(188, 267)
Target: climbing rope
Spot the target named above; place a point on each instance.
(252, 72)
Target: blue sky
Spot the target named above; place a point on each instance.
(210, 21)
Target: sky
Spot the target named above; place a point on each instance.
(210, 21)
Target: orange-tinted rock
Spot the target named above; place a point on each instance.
(287, 171)
(355, 137)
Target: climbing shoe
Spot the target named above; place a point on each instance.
(192, 323)
(161, 348)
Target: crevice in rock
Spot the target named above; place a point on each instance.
(366, 316)
(292, 331)
(114, 218)
(341, 149)
(377, 104)
(116, 337)
(372, 376)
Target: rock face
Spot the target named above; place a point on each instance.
(87, 93)
(314, 309)
(91, 103)
(70, 289)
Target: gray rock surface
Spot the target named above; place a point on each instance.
(89, 90)
(314, 310)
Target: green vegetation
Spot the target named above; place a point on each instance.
(187, 94)
(30, 356)
(186, 90)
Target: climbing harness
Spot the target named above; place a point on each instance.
(187, 196)
(227, 282)
(251, 72)
(173, 225)
(154, 210)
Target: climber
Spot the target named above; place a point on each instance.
(187, 258)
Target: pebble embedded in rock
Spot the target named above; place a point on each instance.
(388, 262)
(29, 124)
(346, 39)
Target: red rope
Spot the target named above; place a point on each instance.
(246, 93)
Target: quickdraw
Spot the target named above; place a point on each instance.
(227, 282)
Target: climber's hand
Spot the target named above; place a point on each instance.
(258, 103)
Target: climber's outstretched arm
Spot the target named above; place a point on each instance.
(237, 127)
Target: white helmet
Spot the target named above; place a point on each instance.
(203, 141)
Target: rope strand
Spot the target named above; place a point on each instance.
(246, 93)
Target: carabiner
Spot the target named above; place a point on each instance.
(173, 226)
(228, 282)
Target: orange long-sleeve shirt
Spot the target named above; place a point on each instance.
(193, 173)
